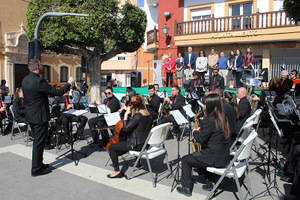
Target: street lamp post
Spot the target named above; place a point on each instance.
(57, 14)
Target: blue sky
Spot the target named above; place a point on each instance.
(141, 3)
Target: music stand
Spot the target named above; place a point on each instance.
(180, 120)
(72, 150)
(272, 184)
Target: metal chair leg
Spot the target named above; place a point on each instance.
(150, 170)
(237, 183)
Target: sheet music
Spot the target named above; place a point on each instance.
(188, 110)
(179, 118)
(7, 99)
(103, 109)
(112, 118)
(76, 112)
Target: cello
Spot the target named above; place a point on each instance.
(117, 134)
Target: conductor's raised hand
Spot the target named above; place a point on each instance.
(71, 80)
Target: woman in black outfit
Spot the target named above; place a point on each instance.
(136, 128)
(214, 137)
(18, 106)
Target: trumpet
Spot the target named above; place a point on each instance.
(196, 146)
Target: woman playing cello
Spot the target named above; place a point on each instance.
(137, 128)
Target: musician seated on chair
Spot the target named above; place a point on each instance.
(195, 83)
(67, 119)
(3, 115)
(136, 127)
(18, 106)
(175, 102)
(214, 134)
(217, 81)
(99, 122)
(243, 106)
(153, 102)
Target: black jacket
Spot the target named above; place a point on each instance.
(219, 83)
(180, 102)
(113, 104)
(285, 86)
(36, 91)
(244, 111)
(19, 110)
(231, 118)
(137, 129)
(153, 106)
(216, 152)
(191, 86)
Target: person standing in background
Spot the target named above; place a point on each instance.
(222, 63)
(248, 62)
(190, 59)
(36, 91)
(170, 69)
(294, 78)
(179, 70)
(238, 66)
(201, 65)
(231, 72)
(4, 89)
(212, 61)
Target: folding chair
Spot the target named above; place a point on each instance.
(155, 140)
(243, 134)
(17, 125)
(236, 168)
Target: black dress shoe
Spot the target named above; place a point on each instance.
(120, 175)
(45, 166)
(185, 191)
(208, 186)
(287, 179)
(41, 172)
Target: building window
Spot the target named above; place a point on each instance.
(64, 73)
(78, 74)
(242, 22)
(201, 14)
(47, 73)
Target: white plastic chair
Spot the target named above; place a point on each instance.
(17, 125)
(236, 168)
(155, 140)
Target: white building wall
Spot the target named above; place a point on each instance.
(263, 6)
(219, 9)
(152, 16)
(278, 5)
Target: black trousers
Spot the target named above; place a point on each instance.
(202, 76)
(39, 133)
(120, 147)
(187, 163)
(169, 77)
(67, 118)
(98, 122)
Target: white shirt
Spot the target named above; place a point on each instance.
(190, 55)
(201, 64)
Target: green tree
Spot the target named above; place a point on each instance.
(109, 30)
(292, 7)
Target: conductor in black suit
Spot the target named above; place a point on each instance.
(36, 91)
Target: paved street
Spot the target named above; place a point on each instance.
(88, 179)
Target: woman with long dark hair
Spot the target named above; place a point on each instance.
(232, 100)
(136, 127)
(214, 137)
(238, 66)
(231, 74)
(18, 106)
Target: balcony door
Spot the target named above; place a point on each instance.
(239, 20)
(203, 15)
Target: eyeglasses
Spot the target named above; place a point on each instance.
(107, 93)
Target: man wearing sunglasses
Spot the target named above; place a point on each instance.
(114, 105)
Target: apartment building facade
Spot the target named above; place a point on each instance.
(228, 25)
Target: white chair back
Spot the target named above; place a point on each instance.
(247, 146)
(12, 111)
(159, 134)
(257, 115)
